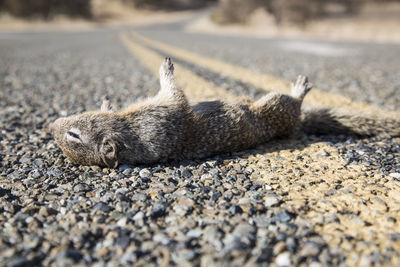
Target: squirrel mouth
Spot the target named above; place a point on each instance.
(51, 128)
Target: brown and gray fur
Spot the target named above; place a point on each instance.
(166, 127)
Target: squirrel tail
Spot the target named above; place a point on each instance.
(338, 121)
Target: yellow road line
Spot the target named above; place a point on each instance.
(304, 190)
(195, 87)
(266, 82)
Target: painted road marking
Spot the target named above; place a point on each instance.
(315, 48)
(195, 87)
(315, 98)
(308, 186)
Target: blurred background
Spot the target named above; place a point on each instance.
(368, 19)
(227, 11)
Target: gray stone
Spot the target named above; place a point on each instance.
(262, 221)
(81, 187)
(282, 217)
(159, 209)
(194, 233)
(102, 207)
(138, 216)
(144, 173)
(162, 239)
(271, 201)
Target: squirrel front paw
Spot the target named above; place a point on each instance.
(106, 105)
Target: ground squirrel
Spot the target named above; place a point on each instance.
(167, 127)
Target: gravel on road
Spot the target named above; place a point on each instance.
(251, 208)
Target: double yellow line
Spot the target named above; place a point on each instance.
(206, 90)
(331, 168)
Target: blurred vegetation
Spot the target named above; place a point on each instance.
(226, 11)
(286, 11)
(169, 4)
(85, 8)
(46, 8)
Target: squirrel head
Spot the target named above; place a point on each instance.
(88, 138)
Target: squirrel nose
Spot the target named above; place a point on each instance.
(55, 125)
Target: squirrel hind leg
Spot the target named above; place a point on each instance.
(169, 90)
(301, 87)
(167, 78)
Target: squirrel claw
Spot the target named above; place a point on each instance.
(167, 68)
(301, 87)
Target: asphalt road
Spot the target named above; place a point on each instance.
(310, 200)
(364, 72)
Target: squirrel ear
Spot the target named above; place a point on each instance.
(108, 151)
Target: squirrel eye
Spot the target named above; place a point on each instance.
(72, 136)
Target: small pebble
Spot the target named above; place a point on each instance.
(283, 259)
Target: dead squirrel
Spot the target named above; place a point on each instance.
(167, 127)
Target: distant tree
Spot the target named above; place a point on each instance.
(168, 4)
(73, 8)
(47, 8)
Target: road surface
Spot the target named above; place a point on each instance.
(330, 200)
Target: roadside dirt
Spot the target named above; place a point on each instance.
(375, 23)
(112, 18)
